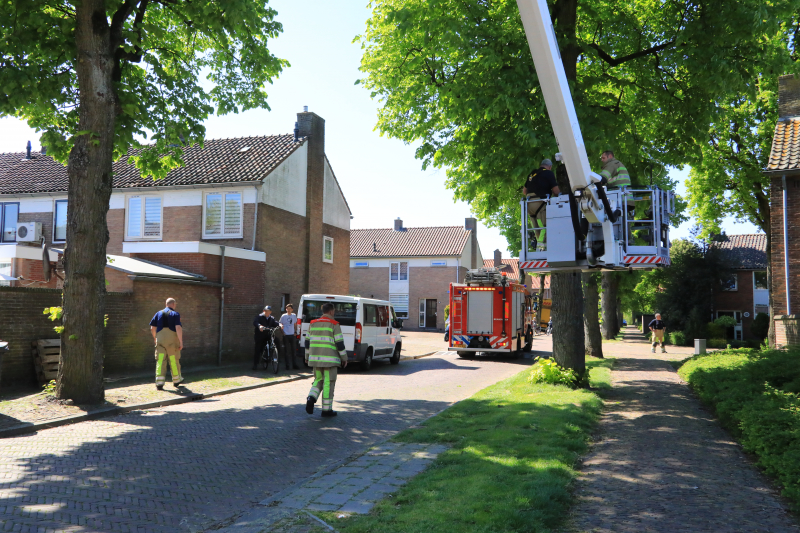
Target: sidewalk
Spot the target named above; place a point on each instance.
(25, 412)
(663, 463)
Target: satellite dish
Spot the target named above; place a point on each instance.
(46, 262)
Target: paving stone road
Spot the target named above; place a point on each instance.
(664, 464)
(199, 465)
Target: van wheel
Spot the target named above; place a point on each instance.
(395, 355)
(366, 364)
(466, 355)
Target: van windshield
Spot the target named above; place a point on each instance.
(345, 313)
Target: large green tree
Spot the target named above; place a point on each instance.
(458, 79)
(98, 77)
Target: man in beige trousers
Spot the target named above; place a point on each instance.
(168, 337)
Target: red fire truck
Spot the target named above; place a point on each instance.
(489, 313)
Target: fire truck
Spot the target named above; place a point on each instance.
(489, 313)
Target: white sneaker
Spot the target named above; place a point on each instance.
(652, 350)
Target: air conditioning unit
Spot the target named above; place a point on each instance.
(29, 231)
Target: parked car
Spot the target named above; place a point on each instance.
(624, 323)
(370, 327)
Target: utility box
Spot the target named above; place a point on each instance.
(699, 346)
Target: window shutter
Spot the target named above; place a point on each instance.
(393, 272)
(400, 304)
(152, 216)
(233, 213)
(213, 214)
(135, 217)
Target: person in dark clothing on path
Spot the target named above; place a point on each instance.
(263, 323)
(541, 183)
(168, 337)
(658, 327)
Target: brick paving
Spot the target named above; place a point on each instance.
(663, 463)
(202, 464)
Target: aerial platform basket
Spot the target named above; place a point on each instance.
(639, 233)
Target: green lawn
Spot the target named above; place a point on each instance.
(510, 466)
(756, 395)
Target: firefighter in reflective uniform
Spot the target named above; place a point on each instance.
(540, 184)
(615, 176)
(325, 353)
(168, 336)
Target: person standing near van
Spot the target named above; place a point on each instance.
(263, 324)
(325, 352)
(288, 322)
(168, 338)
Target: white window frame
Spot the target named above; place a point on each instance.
(224, 235)
(10, 264)
(399, 264)
(754, 280)
(128, 199)
(55, 212)
(326, 239)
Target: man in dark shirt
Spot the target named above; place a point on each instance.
(658, 328)
(263, 323)
(168, 337)
(540, 184)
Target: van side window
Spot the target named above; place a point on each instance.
(383, 317)
(370, 315)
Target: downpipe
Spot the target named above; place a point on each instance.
(786, 247)
(221, 302)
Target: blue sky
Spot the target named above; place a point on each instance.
(379, 176)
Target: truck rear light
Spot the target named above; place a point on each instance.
(358, 332)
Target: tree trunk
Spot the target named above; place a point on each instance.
(609, 305)
(567, 313)
(541, 298)
(80, 376)
(591, 324)
(620, 318)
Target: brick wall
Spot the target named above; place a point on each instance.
(282, 236)
(115, 220)
(776, 223)
(370, 282)
(313, 126)
(22, 321)
(204, 264)
(739, 300)
(787, 330)
(335, 277)
(31, 269)
(429, 282)
(118, 281)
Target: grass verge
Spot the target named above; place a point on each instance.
(600, 372)
(510, 466)
(756, 395)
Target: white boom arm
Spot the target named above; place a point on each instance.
(555, 89)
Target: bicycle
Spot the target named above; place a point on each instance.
(269, 356)
(537, 329)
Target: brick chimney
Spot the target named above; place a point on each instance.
(312, 126)
(788, 96)
(471, 224)
(498, 261)
(398, 224)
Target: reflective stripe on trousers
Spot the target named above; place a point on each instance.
(167, 349)
(324, 381)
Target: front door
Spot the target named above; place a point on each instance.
(430, 314)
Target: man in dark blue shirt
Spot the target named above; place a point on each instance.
(168, 337)
(263, 324)
(658, 327)
(540, 184)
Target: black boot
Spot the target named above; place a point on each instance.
(310, 405)
(327, 414)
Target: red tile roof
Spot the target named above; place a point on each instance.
(511, 266)
(219, 161)
(410, 242)
(743, 252)
(785, 154)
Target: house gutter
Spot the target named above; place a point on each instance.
(138, 277)
(61, 194)
(786, 246)
(221, 302)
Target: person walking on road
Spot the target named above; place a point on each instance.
(658, 328)
(168, 338)
(262, 334)
(325, 352)
(288, 322)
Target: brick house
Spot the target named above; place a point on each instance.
(248, 221)
(783, 170)
(747, 294)
(413, 267)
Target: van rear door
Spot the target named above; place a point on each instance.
(344, 314)
(369, 328)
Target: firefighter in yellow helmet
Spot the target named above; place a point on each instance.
(325, 353)
(168, 336)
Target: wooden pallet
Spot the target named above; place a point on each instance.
(46, 353)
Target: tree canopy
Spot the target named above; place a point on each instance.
(458, 79)
(162, 50)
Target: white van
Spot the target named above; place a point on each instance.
(370, 327)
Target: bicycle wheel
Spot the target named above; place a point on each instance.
(264, 362)
(274, 359)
